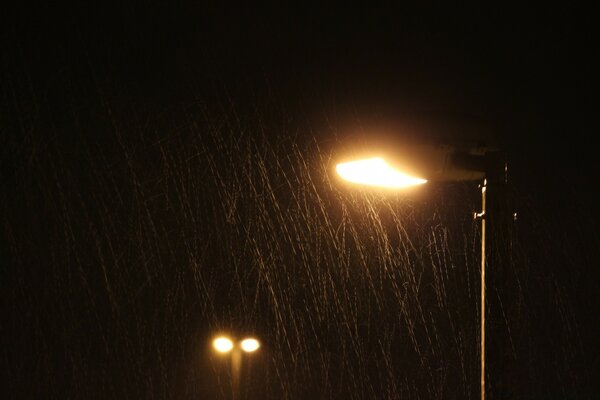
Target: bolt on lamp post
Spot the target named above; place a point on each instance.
(224, 345)
(441, 163)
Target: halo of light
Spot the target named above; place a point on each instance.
(250, 345)
(223, 344)
(376, 172)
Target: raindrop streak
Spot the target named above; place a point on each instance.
(132, 248)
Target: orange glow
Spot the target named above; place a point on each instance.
(223, 344)
(250, 345)
(376, 172)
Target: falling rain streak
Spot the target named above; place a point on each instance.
(132, 249)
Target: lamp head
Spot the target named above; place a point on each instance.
(435, 150)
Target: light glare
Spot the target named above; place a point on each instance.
(222, 344)
(376, 172)
(250, 345)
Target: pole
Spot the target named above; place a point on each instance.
(236, 366)
(481, 216)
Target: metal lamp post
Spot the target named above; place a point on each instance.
(224, 345)
(437, 163)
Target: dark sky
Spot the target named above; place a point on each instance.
(526, 72)
(526, 69)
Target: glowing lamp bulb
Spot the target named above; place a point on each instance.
(250, 345)
(376, 172)
(223, 344)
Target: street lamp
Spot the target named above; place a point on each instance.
(433, 163)
(224, 345)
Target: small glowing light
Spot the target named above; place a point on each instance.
(250, 345)
(222, 344)
(376, 172)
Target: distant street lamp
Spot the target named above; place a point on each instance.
(433, 163)
(223, 345)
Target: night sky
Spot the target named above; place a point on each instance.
(167, 175)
